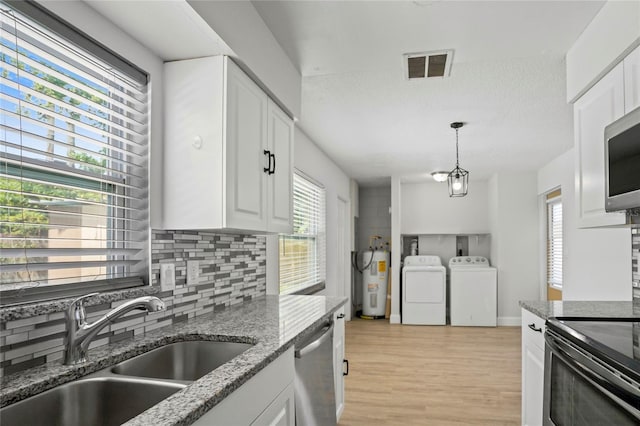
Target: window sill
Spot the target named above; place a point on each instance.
(307, 291)
(11, 313)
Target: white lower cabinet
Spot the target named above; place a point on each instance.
(533, 328)
(266, 399)
(340, 365)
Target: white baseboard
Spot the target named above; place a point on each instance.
(509, 321)
(394, 319)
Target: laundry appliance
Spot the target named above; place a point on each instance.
(473, 291)
(424, 291)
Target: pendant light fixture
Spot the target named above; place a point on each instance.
(458, 178)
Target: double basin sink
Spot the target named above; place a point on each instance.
(120, 392)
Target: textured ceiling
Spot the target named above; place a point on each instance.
(507, 82)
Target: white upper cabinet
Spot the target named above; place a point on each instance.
(632, 80)
(601, 105)
(228, 156)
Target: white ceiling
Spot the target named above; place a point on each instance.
(507, 82)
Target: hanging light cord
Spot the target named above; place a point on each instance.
(457, 162)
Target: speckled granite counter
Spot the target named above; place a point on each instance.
(545, 309)
(271, 323)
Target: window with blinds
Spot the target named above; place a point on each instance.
(302, 254)
(554, 240)
(73, 161)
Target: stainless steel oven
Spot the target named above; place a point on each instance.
(592, 374)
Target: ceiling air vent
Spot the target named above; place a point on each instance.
(427, 64)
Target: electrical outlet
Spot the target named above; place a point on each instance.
(167, 276)
(193, 271)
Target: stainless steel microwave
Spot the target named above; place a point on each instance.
(622, 163)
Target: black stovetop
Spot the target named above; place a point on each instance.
(614, 340)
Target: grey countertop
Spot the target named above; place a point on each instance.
(272, 323)
(590, 309)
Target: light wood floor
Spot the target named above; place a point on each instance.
(431, 375)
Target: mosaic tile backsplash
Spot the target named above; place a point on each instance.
(232, 270)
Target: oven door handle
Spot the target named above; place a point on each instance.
(594, 373)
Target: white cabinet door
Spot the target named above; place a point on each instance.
(280, 176)
(265, 399)
(533, 328)
(338, 360)
(601, 105)
(246, 143)
(533, 380)
(281, 412)
(632, 81)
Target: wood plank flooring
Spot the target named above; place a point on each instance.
(431, 375)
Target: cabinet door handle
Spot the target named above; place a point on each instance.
(340, 316)
(272, 156)
(533, 327)
(268, 168)
(345, 361)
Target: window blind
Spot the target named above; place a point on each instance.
(73, 162)
(302, 254)
(554, 241)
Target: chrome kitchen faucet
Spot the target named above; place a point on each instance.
(80, 332)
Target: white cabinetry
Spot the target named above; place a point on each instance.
(266, 399)
(616, 94)
(340, 365)
(632, 80)
(228, 150)
(533, 328)
(601, 105)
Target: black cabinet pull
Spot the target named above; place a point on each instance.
(345, 361)
(272, 156)
(533, 327)
(268, 168)
(340, 316)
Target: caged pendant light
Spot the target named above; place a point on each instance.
(458, 178)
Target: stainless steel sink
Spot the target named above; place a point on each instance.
(95, 401)
(184, 361)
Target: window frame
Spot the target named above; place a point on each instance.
(319, 238)
(30, 291)
(554, 225)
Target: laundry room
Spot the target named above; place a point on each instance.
(479, 230)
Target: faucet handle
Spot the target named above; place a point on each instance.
(76, 308)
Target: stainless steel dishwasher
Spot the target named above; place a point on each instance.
(314, 382)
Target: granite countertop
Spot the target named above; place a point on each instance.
(271, 323)
(590, 309)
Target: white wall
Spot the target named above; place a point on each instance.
(426, 208)
(396, 224)
(514, 241)
(243, 30)
(309, 159)
(596, 261)
(88, 20)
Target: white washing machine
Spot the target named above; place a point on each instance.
(424, 291)
(473, 291)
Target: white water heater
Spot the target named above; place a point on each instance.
(374, 282)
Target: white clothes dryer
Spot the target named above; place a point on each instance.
(424, 291)
(474, 291)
